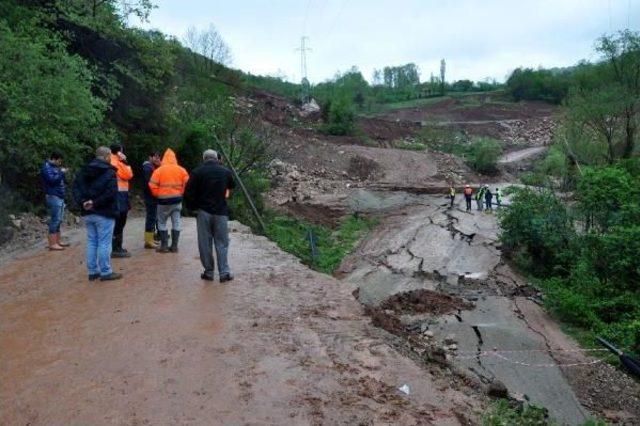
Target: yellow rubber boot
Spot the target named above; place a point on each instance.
(149, 242)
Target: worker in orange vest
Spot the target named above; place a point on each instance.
(167, 185)
(124, 174)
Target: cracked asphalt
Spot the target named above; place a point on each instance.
(425, 245)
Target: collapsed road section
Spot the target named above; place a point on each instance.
(435, 276)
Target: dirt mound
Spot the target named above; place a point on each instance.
(384, 130)
(425, 301)
(471, 108)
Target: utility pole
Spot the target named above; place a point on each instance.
(303, 67)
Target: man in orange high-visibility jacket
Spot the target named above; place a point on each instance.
(124, 174)
(167, 185)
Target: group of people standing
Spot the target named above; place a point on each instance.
(101, 190)
(482, 195)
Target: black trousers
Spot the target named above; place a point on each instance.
(151, 207)
(118, 230)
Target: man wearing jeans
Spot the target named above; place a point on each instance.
(206, 192)
(96, 190)
(167, 185)
(53, 177)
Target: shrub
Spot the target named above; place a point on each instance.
(537, 222)
(502, 413)
(484, 154)
(339, 117)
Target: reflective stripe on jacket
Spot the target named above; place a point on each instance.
(123, 172)
(168, 181)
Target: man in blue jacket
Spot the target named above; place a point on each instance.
(96, 190)
(53, 177)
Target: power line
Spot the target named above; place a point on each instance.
(335, 21)
(306, 16)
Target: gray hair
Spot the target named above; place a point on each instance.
(210, 154)
(103, 153)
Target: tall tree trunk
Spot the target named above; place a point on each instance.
(612, 154)
(630, 129)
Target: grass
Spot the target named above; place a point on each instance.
(504, 413)
(411, 103)
(411, 146)
(292, 235)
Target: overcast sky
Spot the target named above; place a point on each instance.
(477, 38)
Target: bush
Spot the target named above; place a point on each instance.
(606, 196)
(502, 413)
(592, 273)
(538, 223)
(339, 117)
(484, 154)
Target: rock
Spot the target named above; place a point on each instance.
(6, 234)
(235, 226)
(12, 217)
(497, 389)
(429, 334)
(17, 223)
(450, 339)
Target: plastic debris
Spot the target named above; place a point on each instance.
(404, 389)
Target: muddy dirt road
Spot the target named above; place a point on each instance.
(279, 345)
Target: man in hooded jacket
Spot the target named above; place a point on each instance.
(167, 185)
(96, 190)
(123, 174)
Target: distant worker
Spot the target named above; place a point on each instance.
(167, 185)
(488, 198)
(480, 197)
(124, 174)
(452, 195)
(53, 178)
(468, 194)
(150, 202)
(498, 197)
(207, 192)
(96, 190)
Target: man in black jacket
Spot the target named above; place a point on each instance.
(96, 190)
(150, 202)
(207, 190)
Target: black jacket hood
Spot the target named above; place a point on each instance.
(96, 168)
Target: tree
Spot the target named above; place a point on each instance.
(599, 111)
(209, 44)
(46, 103)
(622, 55)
